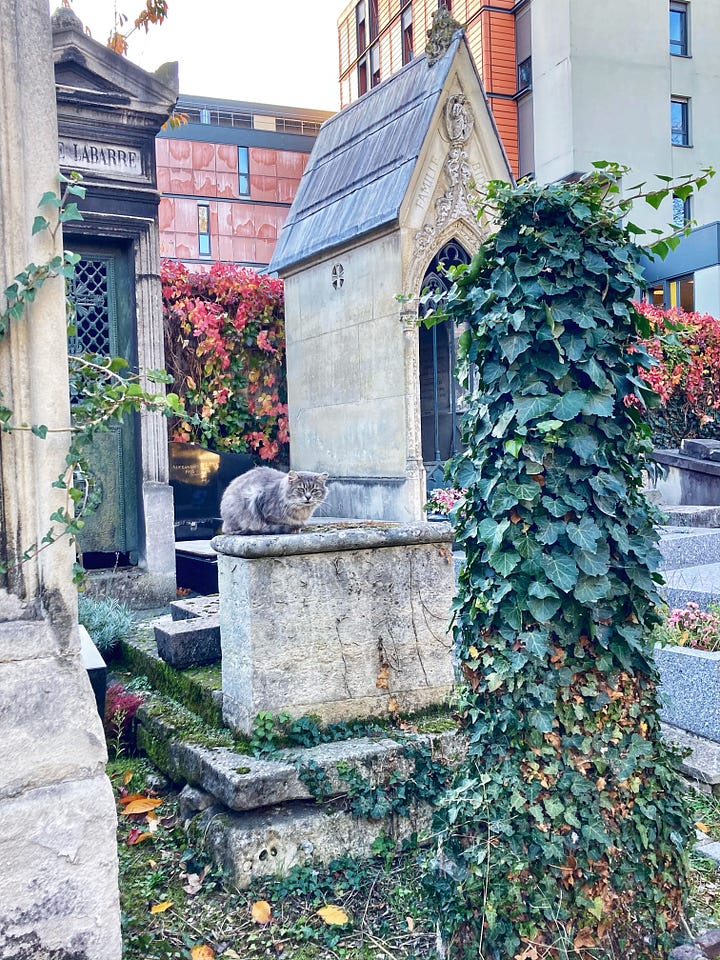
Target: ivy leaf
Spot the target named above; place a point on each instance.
(570, 405)
(515, 344)
(531, 408)
(543, 609)
(39, 223)
(584, 534)
(562, 571)
(504, 562)
(594, 562)
(591, 589)
(599, 404)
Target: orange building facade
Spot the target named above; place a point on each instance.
(228, 177)
(378, 37)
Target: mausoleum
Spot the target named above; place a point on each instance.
(386, 199)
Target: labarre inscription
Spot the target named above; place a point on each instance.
(99, 156)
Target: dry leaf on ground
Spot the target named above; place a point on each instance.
(161, 907)
(261, 911)
(332, 915)
(141, 805)
(202, 952)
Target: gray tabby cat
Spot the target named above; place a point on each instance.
(268, 501)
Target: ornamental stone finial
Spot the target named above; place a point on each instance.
(440, 34)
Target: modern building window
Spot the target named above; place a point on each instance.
(374, 65)
(362, 77)
(407, 34)
(243, 172)
(524, 74)
(676, 292)
(680, 122)
(360, 27)
(682, 211)
(374, 20)
(204, 229)
(445, 3)
(679, 46)
(204, 115)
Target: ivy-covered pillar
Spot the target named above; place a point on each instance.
(58, 883)
(565, 833)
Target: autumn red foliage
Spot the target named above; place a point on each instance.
(687, 376)
(225, 349)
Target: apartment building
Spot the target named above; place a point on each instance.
(574, 81)
(228, 177)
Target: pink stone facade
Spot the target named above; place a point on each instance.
(243, 228)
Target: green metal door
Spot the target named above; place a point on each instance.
(103, 295)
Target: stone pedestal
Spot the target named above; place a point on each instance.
(345, 621)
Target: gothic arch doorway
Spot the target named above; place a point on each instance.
(438, 385)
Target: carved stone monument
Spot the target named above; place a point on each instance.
(58, 882)
(384, 204)
(347, 620)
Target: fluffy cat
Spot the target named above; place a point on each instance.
(268, 501)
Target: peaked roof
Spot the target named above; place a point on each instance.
(362, 161)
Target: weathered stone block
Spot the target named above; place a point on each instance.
(348, 620)
(189, 643)
(273, 841)
(58, 884)
(709, 943)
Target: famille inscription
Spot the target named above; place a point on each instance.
(99, 156)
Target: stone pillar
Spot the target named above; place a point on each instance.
(414, 492)
(58, 883)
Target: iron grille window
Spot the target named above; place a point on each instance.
(243, 172)
(680, 122)
(679, 46)
(374, 20)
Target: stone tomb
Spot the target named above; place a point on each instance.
(347, 620)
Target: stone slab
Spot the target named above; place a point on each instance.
(691, 516)
(59, 879)
(337, 632)
(690, 689)
(190, 642)
(242, 782)
(273, 841)
(697, 584)
(703, 762)
(195, 607)
(688, 546)
(711, 851)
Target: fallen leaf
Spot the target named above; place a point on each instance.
(584, 938)
(332, 915)
(129, 797)
(141, 805)
(382, 678)
(161, 907)
(194, 882)
(232, 954)
(137, 836)
(127, 777)
(410, 923)
(474, 652)
(261, 911)
(202, 952)
(702, 826)
(393, 705)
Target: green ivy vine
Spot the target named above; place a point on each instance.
(564, 833)
(103, 388)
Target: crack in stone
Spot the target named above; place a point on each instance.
(412, 616)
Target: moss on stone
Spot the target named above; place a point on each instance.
(197, 688)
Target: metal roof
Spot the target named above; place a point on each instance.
(362, 161)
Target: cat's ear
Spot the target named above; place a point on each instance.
(322, 477)
(292, 476)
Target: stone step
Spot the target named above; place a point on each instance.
(703, 761)
(199, 689)
(689, 546)
(690, 516)
(699, 584)
(195, 607)
(242, 782)
(190, 642)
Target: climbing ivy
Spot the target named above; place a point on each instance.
(564, 832)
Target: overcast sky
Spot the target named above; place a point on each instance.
(273, 51)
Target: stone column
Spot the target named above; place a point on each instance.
(414, 467)
(58, 883)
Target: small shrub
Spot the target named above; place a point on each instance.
(120, 708)
(108, 621)
(691, 627)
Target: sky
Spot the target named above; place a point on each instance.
(283, 52)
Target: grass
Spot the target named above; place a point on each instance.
(382, 897)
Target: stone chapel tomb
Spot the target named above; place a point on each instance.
(385, 199)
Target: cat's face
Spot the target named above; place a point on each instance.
(307, 488)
